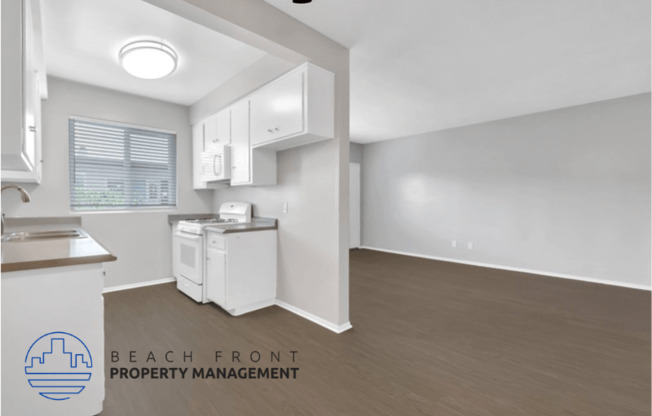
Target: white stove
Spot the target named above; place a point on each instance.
(189, 251)
(196, 226)
(229, 213)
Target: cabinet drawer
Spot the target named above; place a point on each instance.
(190, 288)
(214, 240)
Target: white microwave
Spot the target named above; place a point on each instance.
(216, 164)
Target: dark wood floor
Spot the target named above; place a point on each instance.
(428, 338)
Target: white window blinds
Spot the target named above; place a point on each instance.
(116, 167)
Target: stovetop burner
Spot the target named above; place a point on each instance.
(212, 221)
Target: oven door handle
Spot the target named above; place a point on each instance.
(187, 236)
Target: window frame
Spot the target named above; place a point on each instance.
(174, 204)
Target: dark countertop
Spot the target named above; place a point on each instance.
(256, 224)
(59, 252)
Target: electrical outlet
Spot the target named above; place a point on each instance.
(285, 207)
(454, 243)
(470, 245)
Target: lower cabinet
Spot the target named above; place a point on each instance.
(47, 316)
(241, 270)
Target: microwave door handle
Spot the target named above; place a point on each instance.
(217, 170)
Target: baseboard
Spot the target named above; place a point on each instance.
(251, 307)
(338, 329)
(139, 284)
(514, 269)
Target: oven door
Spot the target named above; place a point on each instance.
(187, 256)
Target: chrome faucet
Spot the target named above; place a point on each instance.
(24, 196)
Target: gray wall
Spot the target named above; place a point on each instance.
(355, 153)
(565, 191)
(141, 240)
(252, 77)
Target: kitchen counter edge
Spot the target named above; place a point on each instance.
(256, 224)
(97, 253)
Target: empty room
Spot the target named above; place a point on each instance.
(326, 207)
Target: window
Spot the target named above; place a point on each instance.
(118, 167)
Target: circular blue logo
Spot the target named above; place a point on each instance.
(58, 365)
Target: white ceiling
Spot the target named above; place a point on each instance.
(82, 39)
(426, 65)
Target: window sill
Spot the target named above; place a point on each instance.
(126, 211)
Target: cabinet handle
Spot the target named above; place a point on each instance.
(275, 128)
(32, 129)
(270, 130)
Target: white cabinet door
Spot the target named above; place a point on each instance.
(210, 132)
(32, 98)
(21, 98)
(277, 110)
(217, 130)
(224, 127)
(216, 276)
(240, 151)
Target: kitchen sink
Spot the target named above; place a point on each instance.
(42, 235)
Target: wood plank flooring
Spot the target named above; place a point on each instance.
(428, 338)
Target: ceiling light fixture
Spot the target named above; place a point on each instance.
(148, 59)
(301, 1)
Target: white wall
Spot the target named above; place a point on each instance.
(140, 240)
(565, 191)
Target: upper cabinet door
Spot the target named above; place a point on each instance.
(224, 127)
(277, 110)
(21, 94)
(240, 151)
(217, 130)
(210, 132)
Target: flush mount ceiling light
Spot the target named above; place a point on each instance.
(301, 1)
(148, 59)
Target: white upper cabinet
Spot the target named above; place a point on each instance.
(217, 130)
(22, 91)
(277, 110)
(295, 109)
(210, 132)
(224, 127)
(253, 167)
(240, 150)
